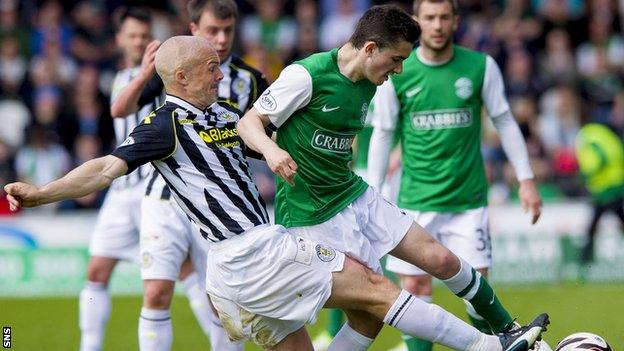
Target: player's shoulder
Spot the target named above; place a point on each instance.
(319, 62)
(464, 52)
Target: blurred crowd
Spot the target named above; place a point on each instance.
(561, 60)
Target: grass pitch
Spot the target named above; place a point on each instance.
(52, 324)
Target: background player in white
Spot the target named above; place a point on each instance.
(443, 183)
(117, 230)
(268, 283)
(214, 20)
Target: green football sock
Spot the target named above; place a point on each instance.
(415, 344)
(476, 320)
(488, 306)
(470, 285)
(336, 321)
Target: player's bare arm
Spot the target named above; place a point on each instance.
(91, 176)
(127, 100)
(251, 129)
(530, 199)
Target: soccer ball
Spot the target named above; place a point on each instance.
(583, 341)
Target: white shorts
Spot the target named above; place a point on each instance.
(366, 230)
(116, 233)
(466, 233)
(167, 238)
(266, 283)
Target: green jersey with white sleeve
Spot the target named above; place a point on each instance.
(438, 107)
(317, 112)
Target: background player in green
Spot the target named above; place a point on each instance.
(318, 105)
(437, 102)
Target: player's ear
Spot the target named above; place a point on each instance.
(180, 76)
(193, 27)
(369, 48)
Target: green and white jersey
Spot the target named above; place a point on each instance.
(317, 112)
(438, 107)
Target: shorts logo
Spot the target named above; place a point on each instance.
(267, 101)
(325, 253)
(146, 259)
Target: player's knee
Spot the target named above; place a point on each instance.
(417, 284)
(98, 273)
(446, 263)
(382, 292)
(157, 296)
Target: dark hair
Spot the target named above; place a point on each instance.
(385, 25)
(140, 14)
(417, 4)
(221, 9)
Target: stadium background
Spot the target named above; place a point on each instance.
(562, 62)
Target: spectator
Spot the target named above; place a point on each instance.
(12, 64)
(268, 30)
(50, 26)
(337, 27)
(599, 62)
(556, 63)
(559, 124)
(93, 42)
(41, 160)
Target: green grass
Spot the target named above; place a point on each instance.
(52, 324)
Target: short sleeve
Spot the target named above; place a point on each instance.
(153, 139)
(290, 92)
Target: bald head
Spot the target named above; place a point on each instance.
(180, 52)
(189, 68)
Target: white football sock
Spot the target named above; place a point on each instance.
(206, 316)
(94, 306)
(430, 322)
(198, 300)
(349, 339)
(155, 331)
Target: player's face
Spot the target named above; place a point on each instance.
(383, 62)
(205, 78)
(133, 38)
(437, 24)
(219, 32)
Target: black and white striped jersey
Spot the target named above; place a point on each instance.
(123, 126)
(202, 159)
(240, 87)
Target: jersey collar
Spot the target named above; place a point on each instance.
(184, 104)
(426, 62)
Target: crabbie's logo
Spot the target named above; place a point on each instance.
(333, 142)
(267, 101)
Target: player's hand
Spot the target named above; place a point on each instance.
(148, 62)
(280, 162)
(530, 199)
(22, 195)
